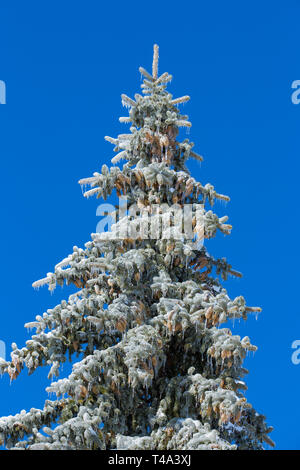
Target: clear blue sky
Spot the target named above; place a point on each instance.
(65, 65)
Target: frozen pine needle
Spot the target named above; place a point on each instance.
(153, 369)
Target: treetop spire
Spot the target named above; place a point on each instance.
(155, 61)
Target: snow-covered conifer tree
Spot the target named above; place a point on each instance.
(155, 369)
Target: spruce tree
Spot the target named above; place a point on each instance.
(154, 368)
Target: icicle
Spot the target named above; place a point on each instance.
(181, 123)
(253, 309)
(120, 156)
(145, 73)
(41, 282)
(164, 78)
(127, 102)
(91, 180)
(196, 156)
(91, 192)
(63, 263)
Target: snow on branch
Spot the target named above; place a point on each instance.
(126, 101)
(145, 73)
(183, 99)
(120, 156)
(155, 62)
(41, 282)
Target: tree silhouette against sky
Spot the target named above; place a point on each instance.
(154, 368)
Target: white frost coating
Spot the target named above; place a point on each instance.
(152, 369)
(119, 156)
(182, 99)
(41, 282)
